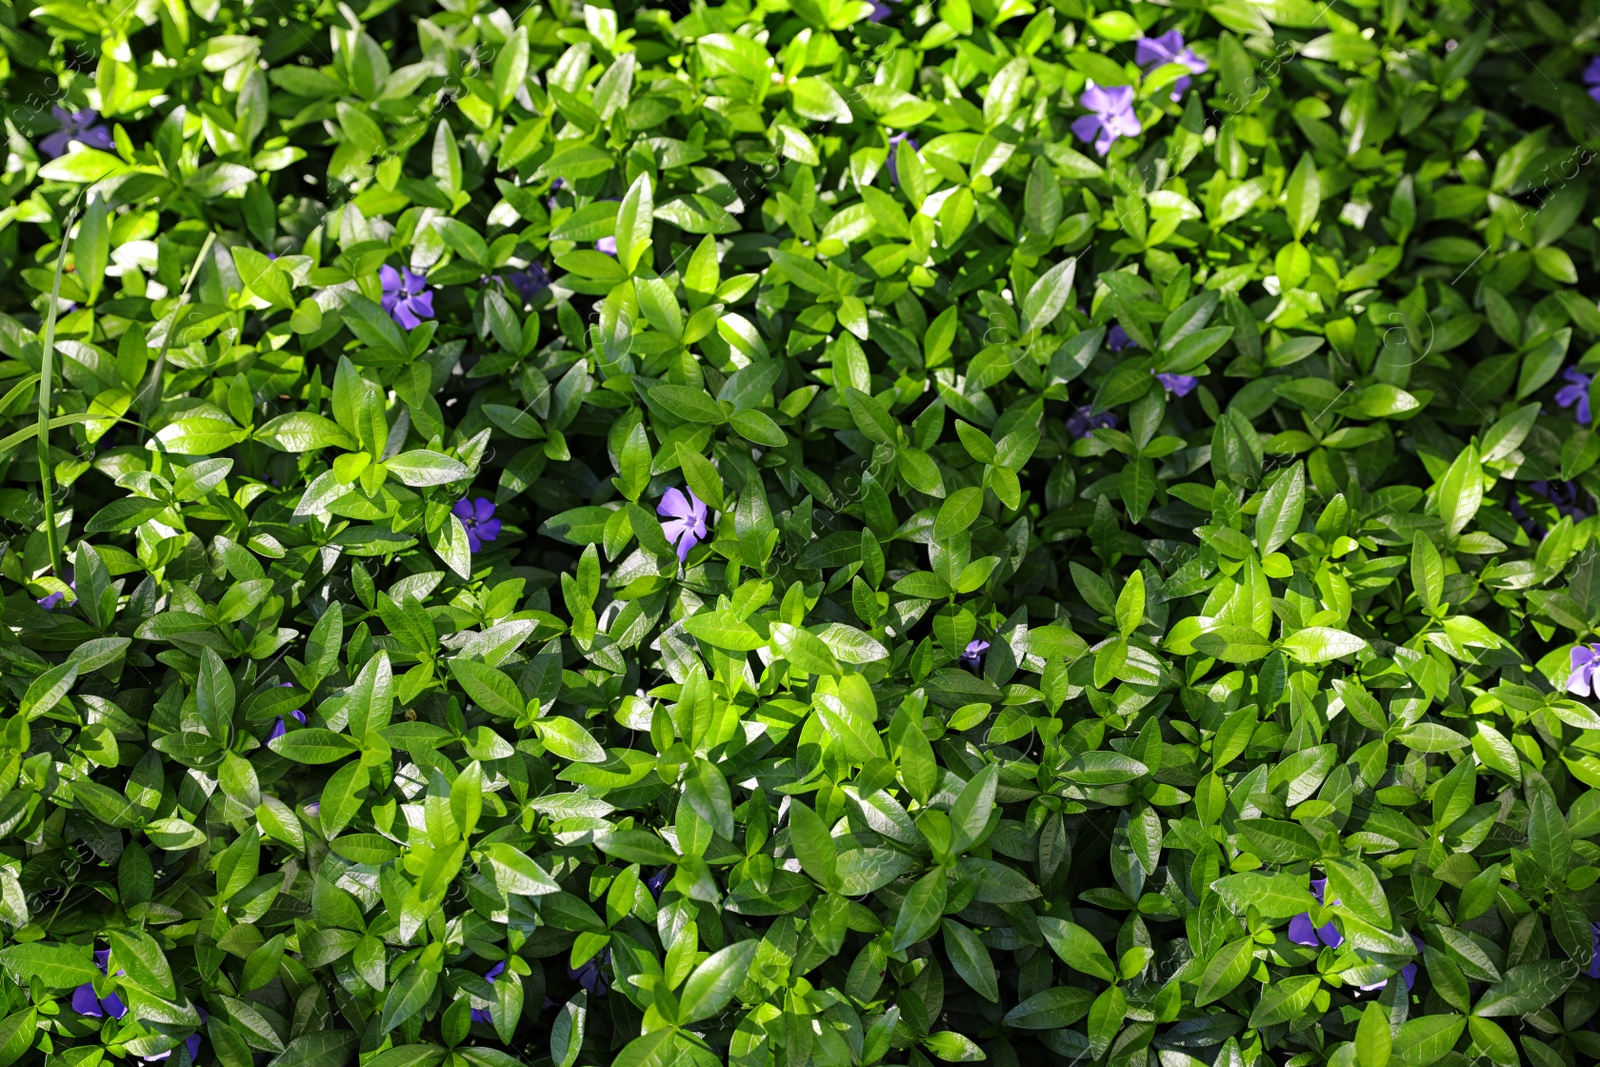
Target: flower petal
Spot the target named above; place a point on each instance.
(675, 504)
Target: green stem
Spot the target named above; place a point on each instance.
(150, 395)
(46, 374)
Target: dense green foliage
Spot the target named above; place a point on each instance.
(818, 533)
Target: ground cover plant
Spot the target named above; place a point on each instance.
(816, 532)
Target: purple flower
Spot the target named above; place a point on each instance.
(1111, 116)
(1567, 498)
(280, 727)
(481, 1015)
(81, 126)
(554, 187)
(1576, 392)
(1585, 659)
(1169, 48)
(85, 1002)
(1080, 422)
(530, 281)
(1564, 495)
(478, 517)
(1117, 338)
(1408, 972)
(608, 245)
(1594, 928)
(1591, 78)
(881, 11)
(1302, 932)
(192, 1043)
(591, 977)
(1178, 384)
(687, 520)
(894, 147)
(973, 656)
(49, 601)
(658, 881)
(406, 296)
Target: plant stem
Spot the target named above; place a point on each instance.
(150, 395)
(46, 374)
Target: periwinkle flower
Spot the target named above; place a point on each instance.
(1591, 78)
(50, 600)
(1111, 116)
(481, 1015)
(596, 982)
(81, 126)
(658, 881)
(1566, 497)
(1081, 422)
(1117, 338)
(1594, 928)
(478, 518)
(1154, 52)
(686, 515)
(281, 727)
(555, 187)
(973, 656)
(880, 11)
(530, 281)
(608, 245)
(192, 1043)
(1585, 659)
(85, 1002)
(1178, 384)
(1408, 972)
(894, 150)
(1576, 392)
(1301, 930)
(406, 296)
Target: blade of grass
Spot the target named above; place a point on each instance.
(46, 375)
(150, 395)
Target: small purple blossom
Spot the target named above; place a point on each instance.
(1584, 661)
(596, 982)
(1117, 338)
(1591, 78)
(281, 727)
(478, 517)
(406, 296)
(530, 281)
(658, 881)
(1111, 116)
(1408, 972)
(1178, 384)
(881, 11)
(1594, 928)
(608, 245)
(1301, 930)
(481, 1015)
(555, 187)
(192, 1043)
(1567, 497)
(973, 656)
(81, 126)
(1080, 422)
(50, 600)
(1576, 392)
(894, 148)
(686, 515)
(1154, 52)
(85, 1002)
